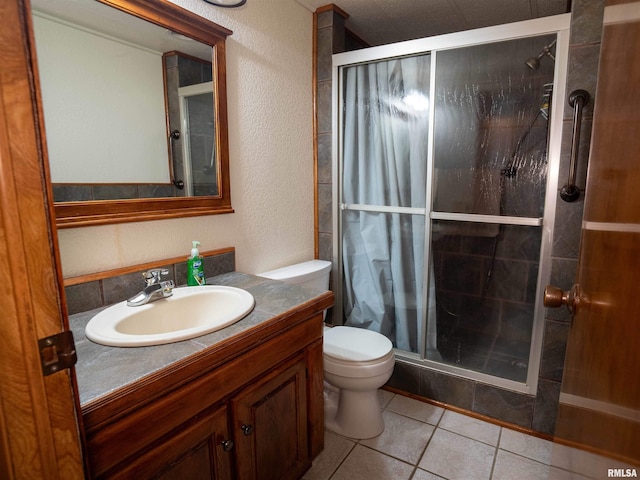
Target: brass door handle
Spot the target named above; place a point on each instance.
(554, 297)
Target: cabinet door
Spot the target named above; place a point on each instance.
(270, 425)
(200, 449)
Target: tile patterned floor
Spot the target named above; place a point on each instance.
(425, 442)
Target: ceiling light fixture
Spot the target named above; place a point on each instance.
(226, 3)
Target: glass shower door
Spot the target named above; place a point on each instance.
(490, 176)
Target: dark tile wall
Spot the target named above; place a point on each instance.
(331, 37)
(485, 293)
(537, 412)
(102, 191)
(584, 54)
(87, 296)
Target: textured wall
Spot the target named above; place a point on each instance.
(269, 77)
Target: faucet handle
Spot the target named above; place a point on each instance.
(154, 276)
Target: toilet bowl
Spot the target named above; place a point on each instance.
(357, 362)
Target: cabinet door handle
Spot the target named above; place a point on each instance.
(247, 429)
(227, 445)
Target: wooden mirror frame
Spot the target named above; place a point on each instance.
(172, 17)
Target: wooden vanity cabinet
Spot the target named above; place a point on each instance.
(258, 415)
(270, 423)
(197, 450)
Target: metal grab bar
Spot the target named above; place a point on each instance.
(577, 99)
(174, 135)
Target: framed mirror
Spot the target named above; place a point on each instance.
(135, 112)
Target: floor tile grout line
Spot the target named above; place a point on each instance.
(335, 470)
(387, 454)
(424, 450)
(525, 457)
(413, 418)
(521, 454)
(470, 438)
(435, 427)
(495, 455)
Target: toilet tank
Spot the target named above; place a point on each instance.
(314, 273)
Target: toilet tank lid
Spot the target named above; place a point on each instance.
(302, 271)
(355, 344)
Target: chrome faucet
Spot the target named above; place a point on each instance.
(155, 288)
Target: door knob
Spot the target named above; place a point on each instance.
(247, 429)
(227, 445)
(554, 297)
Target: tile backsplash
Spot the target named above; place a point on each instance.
(85, 296)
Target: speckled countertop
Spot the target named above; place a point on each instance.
(101, 370)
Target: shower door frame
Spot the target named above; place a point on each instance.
(559, 25)
(184, 93)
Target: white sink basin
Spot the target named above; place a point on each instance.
(190, 312)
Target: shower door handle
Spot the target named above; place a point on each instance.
(554, 297)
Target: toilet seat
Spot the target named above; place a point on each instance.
(350, 344)
(357, 353)
(347, 369)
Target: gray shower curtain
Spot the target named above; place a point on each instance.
(384, 176)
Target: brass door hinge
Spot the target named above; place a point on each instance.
(57, 352)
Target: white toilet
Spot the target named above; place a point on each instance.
(356, 361)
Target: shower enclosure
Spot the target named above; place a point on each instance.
(198, 146)
(445, 173)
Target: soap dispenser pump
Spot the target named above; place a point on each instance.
(195, 268)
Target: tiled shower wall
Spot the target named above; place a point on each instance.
(536, 412)
(485, 290)
(329, 39)
(181, 71)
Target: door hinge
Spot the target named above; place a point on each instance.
(57, 352)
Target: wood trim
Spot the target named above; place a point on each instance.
(85, 214)
(92, 277)
(315, 389)
(167, 15)
(331, 7)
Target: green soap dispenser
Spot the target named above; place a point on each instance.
(195, 268)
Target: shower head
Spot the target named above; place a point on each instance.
(534, 62)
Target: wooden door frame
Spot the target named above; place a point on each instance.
(41, 428)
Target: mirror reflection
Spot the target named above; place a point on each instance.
(128, 105)
(189, 90)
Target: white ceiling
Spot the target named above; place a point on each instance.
(104, 19)
(386, 21)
